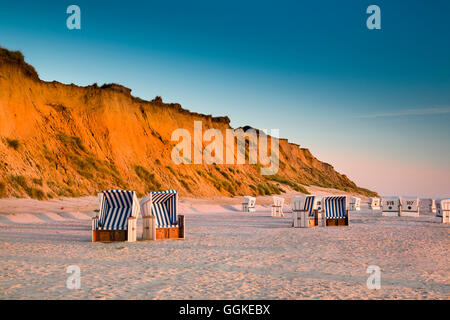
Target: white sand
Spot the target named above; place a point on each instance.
(227, 254)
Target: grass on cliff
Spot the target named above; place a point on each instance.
(171, 170)
(17, 57)
(71, 141)
(20, 182)
(149, 179)
(62, 190)
(225, 182)
(87, 165)
(185, 185)
(221, 184)
(264, 189)
(2, 189)
(297, 187)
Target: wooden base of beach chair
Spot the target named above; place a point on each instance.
(116, 235)
(312, 222)
(336, 222)
(150, 232)
(181, 226)
(109, 235)
(168, 233)
(303, 220)
(95, 235)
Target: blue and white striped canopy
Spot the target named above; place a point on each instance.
(309, 205)
(116, 207)
(335, 207)
(164, 208)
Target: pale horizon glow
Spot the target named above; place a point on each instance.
(409, 112)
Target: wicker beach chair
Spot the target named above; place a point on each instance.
(390, 206)
(443, 210)
(305, 211)
(409, 206)
(160, 216)
(117, 216)
(248, 205)
(355, 204)
(375, 203)
(335, 211)
(277, 207)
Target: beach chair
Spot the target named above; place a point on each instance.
(249, 204)
(443, 210)
(427, 205)
(409, 206)
(335, 211)
(159, 213)
(390, 206)
(375, 203)
(277, 207)
(355, 204)
(305, 211)
(116, 220)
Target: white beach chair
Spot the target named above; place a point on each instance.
(409, 206)
(277, 207)
(443, 210)
(249, 204)
(355, 204)
(117, 216)
(335, 211)
(427, 205)
(375, 203)
(160, 216)
(391, 206)
(305, 211)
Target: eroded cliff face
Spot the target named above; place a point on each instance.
(66, 140)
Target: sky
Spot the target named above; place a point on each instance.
(373, 103)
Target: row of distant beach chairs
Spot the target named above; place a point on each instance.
(310, 210)
(119, 210)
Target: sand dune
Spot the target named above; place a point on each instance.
(227, 254)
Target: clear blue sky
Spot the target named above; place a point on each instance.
(373, 103)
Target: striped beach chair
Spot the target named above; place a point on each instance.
(305, 211)
(160, 215)
(335, 211)
(117, 216)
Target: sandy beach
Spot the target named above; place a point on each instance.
(227, 254)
